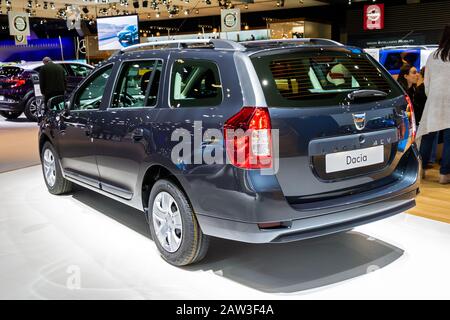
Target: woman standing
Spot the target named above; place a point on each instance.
(436, 115)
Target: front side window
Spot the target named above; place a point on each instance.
(195, 83)
(90, 96)
(137, 80)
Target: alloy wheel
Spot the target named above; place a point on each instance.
(49, 167)
(33, 108)
(167, 221)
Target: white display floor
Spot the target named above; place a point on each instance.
(86, 246)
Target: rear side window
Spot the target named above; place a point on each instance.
(308, 79)
(195, 83)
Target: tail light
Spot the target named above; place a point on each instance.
(411, 118)
(248, 138)
(16, 82)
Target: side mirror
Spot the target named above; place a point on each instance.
(57, 103)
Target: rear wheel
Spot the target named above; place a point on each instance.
(31, 109)
(173, 225)
(10, 114)
(56, 183)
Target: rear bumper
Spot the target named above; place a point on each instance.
(308, 227)
(315, 219)
(13, 106)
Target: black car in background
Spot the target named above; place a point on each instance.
(17, 90)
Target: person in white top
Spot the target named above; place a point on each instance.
(436, 115)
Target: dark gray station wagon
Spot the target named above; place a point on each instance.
(328, 143)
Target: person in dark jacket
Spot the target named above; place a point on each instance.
(52, 80)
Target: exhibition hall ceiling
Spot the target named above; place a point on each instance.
(157, 9)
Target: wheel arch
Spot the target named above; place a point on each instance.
(28, 96)
(43, 138)
(153, 174)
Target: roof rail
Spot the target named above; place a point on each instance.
(274, 42)
(217, 44)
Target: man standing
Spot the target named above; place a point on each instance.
(52, 80)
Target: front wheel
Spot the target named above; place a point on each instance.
(10, 115)
(56, 183)
(173, 225)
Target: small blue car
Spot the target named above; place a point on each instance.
(128, 36)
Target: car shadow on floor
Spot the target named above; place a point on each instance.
(272, 268)
(18, 120)
(298, 266)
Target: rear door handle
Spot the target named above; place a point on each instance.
(137, 134)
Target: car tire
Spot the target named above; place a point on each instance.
(181, 225)
(54, 180)
(31, 109)
(10, 115)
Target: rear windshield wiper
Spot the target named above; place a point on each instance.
(367, 93)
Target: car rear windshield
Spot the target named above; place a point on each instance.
(10, 71)
(318, 78)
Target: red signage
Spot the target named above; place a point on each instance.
(374, 16)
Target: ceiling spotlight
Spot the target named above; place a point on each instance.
(136, 4)
(45, 6)
(52, 6)
(145, 4)
(197, 11)
(246, 6)
(85, 10)
(30, 4)
(157, 14)
(186, 12)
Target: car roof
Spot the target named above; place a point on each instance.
(160, 49)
